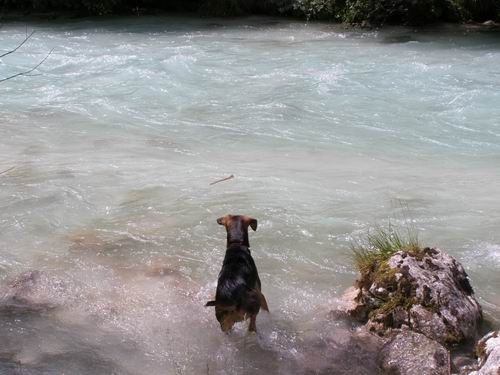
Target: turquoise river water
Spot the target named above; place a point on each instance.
(329, 132)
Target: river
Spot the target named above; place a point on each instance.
(329, 133)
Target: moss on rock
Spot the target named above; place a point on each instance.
(423, 289)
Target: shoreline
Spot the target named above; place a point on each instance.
(59, 15)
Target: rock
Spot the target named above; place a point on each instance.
(463, 364)
(23, 295)
(348, 299)
(337, 352)
(366, 25)
(489, 23)
(411, 353)
(426, 290)
(488, 351)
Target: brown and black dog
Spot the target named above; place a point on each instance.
(238, 295)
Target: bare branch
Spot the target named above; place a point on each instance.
(27, 72)
(20, 45)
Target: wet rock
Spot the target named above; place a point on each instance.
(462, 364)
(10, 368)
(426, 290)
(490, 23)
(356, 353)
(23, 296)
(488, 351)
(411, 353)
(366, 25)
(348, 300)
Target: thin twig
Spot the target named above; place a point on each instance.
(216, 182)
(19, 46)
(7, 170)
(28, 71)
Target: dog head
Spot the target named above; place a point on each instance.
(237, 228)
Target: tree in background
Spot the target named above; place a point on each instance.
(350, 11)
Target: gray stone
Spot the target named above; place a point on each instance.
(340, 353)
(411, 353)
(25, 294)
(488, 350)
(463, 364)
(490, 23)
(428, 291)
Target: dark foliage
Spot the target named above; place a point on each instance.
(396, 11)
(351, 11)
(99, 7)
(477, 10)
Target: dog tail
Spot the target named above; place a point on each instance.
(263, 302)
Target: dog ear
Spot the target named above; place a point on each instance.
(210, 303)
(252, 223)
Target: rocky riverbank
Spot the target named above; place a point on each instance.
(488, 353)
(421, 303)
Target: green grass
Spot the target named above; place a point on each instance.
(371, 257)
(379, 246)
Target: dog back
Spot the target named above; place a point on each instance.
(238, 282)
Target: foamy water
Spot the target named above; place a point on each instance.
(328, 132)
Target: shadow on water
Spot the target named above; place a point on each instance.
(37, 343)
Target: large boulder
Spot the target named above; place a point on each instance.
(411, 353)
(426, 290)
(488, 351)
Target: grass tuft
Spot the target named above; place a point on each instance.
(381, 245)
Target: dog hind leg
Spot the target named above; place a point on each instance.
(252, 327)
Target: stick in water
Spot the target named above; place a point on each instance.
(222, 179)
(7, 170)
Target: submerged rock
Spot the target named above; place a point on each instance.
(337, 352)
(463, 363)
(411, 353)
(488, 351)
(426, 290)
(490, 23)
(23, 295)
